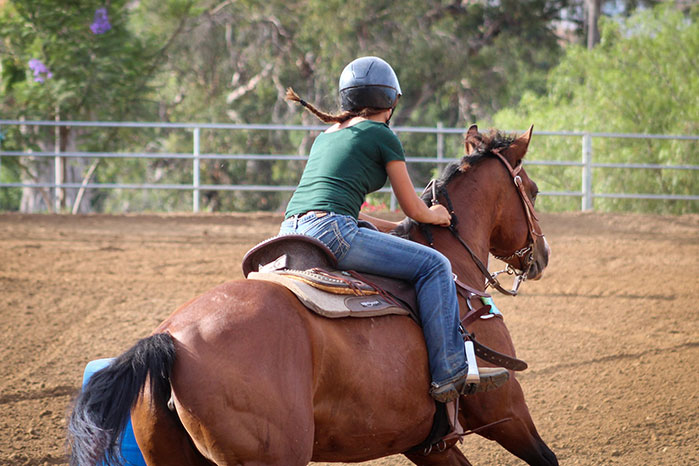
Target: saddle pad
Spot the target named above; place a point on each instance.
(329, 304)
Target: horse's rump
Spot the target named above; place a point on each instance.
(361, 383)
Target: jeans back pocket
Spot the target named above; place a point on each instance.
(333, 239)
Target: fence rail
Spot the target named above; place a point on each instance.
(586, 164)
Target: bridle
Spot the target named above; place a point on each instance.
(526, 254)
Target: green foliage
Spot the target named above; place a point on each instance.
(234, 60)
(642, 78)
(231, 61)
(87, 73)
(11, 169)
(10, 198)
(90, 73)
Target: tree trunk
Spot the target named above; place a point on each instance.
(43, 169)
(593, 13)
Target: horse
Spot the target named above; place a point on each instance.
(245, 374)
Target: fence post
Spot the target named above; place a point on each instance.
(440, 141)
(195, 176)
(587, 172)
(57, 167)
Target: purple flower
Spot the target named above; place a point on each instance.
(100, 25)
(40, 70)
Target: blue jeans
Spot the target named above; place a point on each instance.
(366, 250)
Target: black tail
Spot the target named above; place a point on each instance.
(104, 406)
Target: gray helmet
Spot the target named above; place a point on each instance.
(368, 82)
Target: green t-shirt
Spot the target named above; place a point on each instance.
(343, 167)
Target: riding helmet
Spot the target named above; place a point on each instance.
(368, 82)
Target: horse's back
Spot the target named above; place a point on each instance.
(243, 335)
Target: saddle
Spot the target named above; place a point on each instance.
(308, 268)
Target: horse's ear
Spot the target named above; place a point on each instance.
(518, 149)
(471, 139)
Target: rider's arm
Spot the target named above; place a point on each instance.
(408, 199)
(381, 224)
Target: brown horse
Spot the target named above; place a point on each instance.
(245, 374)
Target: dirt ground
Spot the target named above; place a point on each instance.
(611, 333)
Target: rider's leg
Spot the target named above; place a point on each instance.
(430, 272)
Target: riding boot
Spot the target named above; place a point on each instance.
(490, 379)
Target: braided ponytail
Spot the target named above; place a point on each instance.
(328, 117)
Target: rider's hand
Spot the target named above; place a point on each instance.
(440, 215)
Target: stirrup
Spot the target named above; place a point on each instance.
(490, 378)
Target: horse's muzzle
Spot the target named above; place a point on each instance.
(542, 252)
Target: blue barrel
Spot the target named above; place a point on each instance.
(129, 448)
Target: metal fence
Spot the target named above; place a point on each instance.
(586, 162)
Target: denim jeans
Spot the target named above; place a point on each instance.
(366, 250)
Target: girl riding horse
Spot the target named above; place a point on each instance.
(348, 161)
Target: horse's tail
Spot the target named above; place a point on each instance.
(103, 408)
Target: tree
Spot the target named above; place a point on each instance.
(456, 61)
(642, 78)
(71, 61)
(593, 12)
(222, 61)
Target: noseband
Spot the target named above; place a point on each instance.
(525, 254)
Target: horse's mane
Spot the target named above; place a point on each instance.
(484, 146)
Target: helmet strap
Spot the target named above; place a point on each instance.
(388, 122)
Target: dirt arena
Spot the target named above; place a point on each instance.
(611, 333)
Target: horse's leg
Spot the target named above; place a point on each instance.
(452, 456)
(161, 437)
(518, 435)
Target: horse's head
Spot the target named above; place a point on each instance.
(516, 236)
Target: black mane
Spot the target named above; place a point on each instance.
(488, 143)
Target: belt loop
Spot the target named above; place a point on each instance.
(296, 222)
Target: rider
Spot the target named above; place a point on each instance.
(352, 158)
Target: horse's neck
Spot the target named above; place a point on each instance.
(462, 264)
(474, 224)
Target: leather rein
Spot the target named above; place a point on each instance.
(525, 254)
